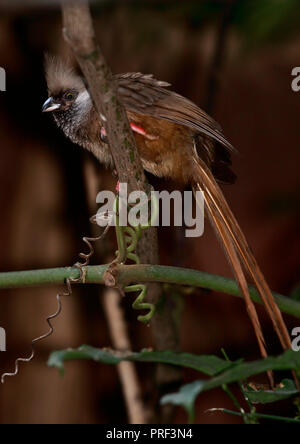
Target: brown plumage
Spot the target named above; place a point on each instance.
(180, 141)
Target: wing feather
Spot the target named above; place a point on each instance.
(144, 94)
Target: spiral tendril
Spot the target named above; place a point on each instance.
(81, 279)
(131, 236)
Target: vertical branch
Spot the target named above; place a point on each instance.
(79, 33)
(127, 371)
(110, 299)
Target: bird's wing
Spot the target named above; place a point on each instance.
(144, 94)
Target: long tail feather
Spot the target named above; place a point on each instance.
(239, 254)
(232, 256)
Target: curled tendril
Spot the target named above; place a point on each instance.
(41, 338)
(139, 303)
(81, 279)
(128, 238)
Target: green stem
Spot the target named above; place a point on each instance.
(141, 273)
(262, 416)
(122, 252)
(251, 408)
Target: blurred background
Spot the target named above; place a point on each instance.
(234, 59)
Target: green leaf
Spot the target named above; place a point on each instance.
(223, 372)
(295, 295)
(209, 365)
(186, 398)
(58, 358)
(288, 390)
(289, 360)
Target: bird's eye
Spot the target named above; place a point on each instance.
(69, 96)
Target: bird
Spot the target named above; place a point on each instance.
(176, 140)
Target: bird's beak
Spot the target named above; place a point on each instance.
(50, 105)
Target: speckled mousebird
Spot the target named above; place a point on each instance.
(175, 139)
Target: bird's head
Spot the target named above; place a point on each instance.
(66, 89)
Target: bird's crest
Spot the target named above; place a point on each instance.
(61, 76)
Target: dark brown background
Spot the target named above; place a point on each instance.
(44, 210)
